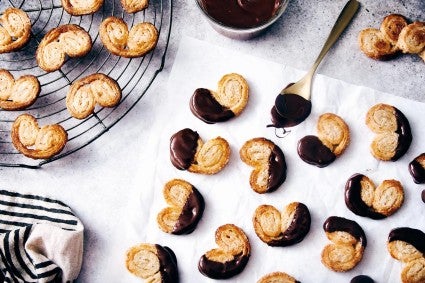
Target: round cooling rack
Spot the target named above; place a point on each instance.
(133, 75)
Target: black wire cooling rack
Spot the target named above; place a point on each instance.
(133, 75)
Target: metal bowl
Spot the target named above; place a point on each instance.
(242, 33)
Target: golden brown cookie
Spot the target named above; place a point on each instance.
(189, 152)
(116, 37)
(391, 27)
(153, 262)
(412, 38)
(17, 94)
(231, 256)
(348, 244)
(85, 93)
(332, 140)
(364, 199)
(78, 7)
(133, 6)
(70, 39)
(277, 277)
(221, 105)
(392, 129)
(282, 229)
(15, 29)
(35, 142)
(186, 206)
(374, 44)
(268, 162)
(408, 246)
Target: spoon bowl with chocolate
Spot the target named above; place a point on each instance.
(293, 105)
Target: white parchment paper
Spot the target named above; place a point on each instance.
(228, 196)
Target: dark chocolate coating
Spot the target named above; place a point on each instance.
(297, 230)
(222, 270)
(313, 151)
(289, 110)
(404, 135)
(335, 223)
(204, 106)
(241, 13)
(362, 279)
(354, 201)
(168, 264)
(411, 236)
(277, 169)
(191, 214)
(417, 170)
(423, 196)
(183, 146)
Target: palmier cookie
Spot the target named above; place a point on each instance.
(392, 129)
(417, 169)
(86, 92)
(391, 27)
(133, 6)
(78, 8)
(154, 263)
(408, 246)
(333, 138)
(412, 38)
(189, 152)
(364, 199)
(70, 39)
(282, 229)
(269, 164)
(221, 105)
(277, 277)
(15, 29)
(186, 206)
(231, 256)
(373, 43)
(35, 142)
(349, 242)
(17, 94)
(116, 37)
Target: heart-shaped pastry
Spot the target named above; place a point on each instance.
(408, 246)
(282, 229)
(333, 138)
(15, 29)
(349, 242)
(86, 92)
(186, 206)
(417, 169)
(35, 142)
(412, 38)
(141, 38)
(70, 39)
(392, 129)
(154, 263)
(269, 164)
(277, 277)
(81, 7)
(133, 6)
(364, 199)
(221, 105)
(231, 256)
(17, 94)
(189, 152)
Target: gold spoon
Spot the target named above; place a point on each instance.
(293, 105)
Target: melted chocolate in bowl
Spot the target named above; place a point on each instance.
(241, 13)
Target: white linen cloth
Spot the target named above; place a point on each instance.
(41, 240)
(228, 196)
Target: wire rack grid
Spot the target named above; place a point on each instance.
(134, 75)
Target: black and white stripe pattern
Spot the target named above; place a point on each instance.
(40, 239)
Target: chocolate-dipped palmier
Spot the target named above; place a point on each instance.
(282, 229)
(186, 206)
(417, 169)
(231, 256)
(362, 279)
(269, 164)
(349, 242)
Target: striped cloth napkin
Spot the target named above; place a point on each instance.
(41, 240)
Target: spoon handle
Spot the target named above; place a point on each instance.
(341, 23)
